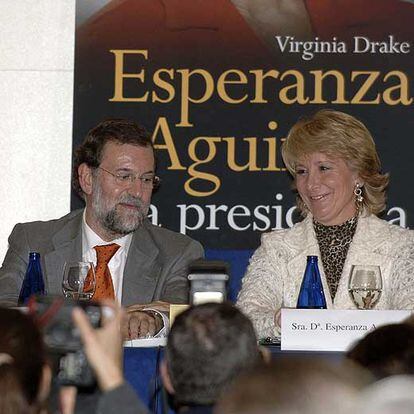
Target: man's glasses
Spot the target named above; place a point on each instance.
(148, 181)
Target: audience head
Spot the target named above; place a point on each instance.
(24, 373)
(208, 346)
(388, 350)
(341, 138)
(294, 386)
(392, 395)
(114, 171)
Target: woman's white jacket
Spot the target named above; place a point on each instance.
(276, 269)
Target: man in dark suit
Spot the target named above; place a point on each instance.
(114, 172)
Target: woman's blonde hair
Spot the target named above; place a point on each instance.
(339, 135)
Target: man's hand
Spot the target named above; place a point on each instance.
(103, 346)
(158, 305)
(143, 323)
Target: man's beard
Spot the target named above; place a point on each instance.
(119, 222)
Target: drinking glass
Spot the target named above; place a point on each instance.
(79, 280)
(365, 286)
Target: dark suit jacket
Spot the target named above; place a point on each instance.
(156, 267)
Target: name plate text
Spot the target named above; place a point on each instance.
(332, 330)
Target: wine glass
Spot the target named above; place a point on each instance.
(79, 280)
(365, 286)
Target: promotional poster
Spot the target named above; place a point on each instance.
(219, 83)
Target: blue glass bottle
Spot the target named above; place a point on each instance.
(311, 294)
(33, 280)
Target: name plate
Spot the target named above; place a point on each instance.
(332, 330)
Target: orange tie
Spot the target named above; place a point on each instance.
(104, 286)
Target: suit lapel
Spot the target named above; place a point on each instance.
(142, 270)
(67, 244)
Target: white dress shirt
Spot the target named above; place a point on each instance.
(116, 265)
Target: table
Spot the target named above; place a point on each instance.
(141, 370)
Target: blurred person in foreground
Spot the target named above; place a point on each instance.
(143, 266)
(25, 374)
(209, 345)
(104, 350)
(341, 189)
(392, 395)
(386, 351)
(295, 386)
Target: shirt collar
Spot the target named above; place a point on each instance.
(90, 239)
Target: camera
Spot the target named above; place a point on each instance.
(54, 316)
(208, 281)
